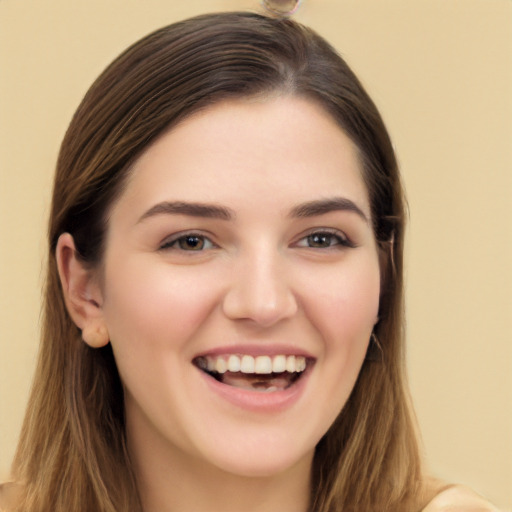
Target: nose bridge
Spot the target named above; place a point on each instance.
(259, 288)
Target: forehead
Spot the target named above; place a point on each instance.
(278, 150)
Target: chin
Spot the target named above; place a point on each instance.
(261, 459)
(268, 467)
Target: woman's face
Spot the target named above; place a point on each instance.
(240, 286)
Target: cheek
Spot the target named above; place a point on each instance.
(344, 305)
(149, 305)
(344, 310)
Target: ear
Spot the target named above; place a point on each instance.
(82, 293)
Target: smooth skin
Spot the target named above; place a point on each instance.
(284, 255)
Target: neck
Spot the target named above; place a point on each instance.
(171, 481)
(216, 491)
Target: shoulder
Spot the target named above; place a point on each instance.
(459, 499)
(8, 493)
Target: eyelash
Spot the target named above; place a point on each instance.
(173, 244)
(339, 239)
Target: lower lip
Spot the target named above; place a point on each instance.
(258, 401)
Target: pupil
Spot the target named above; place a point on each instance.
(319, 240)
(192, 242)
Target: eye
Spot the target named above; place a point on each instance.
(325, 239)
(192, 242)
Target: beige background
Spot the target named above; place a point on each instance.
(441, 72)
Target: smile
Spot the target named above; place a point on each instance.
(262, 373)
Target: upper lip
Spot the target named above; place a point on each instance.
(256, 350)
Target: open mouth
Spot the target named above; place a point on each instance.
(261, 373)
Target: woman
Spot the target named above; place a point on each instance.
(223, 317)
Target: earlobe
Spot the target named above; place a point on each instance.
(95, 335)
(82, 293)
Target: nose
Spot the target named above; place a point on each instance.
(260, 290)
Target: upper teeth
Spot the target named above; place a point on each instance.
(250, 364)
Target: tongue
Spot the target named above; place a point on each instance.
(256, 382)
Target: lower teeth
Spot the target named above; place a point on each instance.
(265, 384)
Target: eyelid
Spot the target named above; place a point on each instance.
(168, 242)
(344, 240)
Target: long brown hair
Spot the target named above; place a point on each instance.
(72, 453)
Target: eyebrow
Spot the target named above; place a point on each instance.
(211, 211)
(323, 206)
